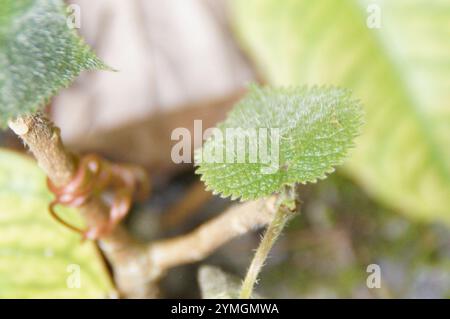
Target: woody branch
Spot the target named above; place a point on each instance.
(137, 266)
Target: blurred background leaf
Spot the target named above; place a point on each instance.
(36, 253)
(400, 71)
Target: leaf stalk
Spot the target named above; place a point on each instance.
(286, 208)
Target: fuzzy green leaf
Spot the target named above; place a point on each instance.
(39, 55)
(316, 127)
(40, 258)
(400, 71)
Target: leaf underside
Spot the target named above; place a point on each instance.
(400, 71)
(40, 258)
(316, 127)
(39, 55)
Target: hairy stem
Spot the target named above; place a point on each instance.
(273, 231)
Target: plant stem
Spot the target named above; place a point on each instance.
(273, 231)
(121, 250)
(199, 243)
(137, 266)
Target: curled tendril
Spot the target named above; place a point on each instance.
(94, 178)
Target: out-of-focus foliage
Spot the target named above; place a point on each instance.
(400, 71)
(39, 55)
(38, 257)
(315, 128)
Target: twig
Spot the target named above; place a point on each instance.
(198, 244)
(45, 143)
(122, 251)
(137, 266)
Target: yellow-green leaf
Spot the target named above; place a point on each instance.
(40, 258)
(400, 71)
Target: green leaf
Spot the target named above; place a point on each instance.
(39, 55)
(400, 71)
(303, 131)
(40, 258)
